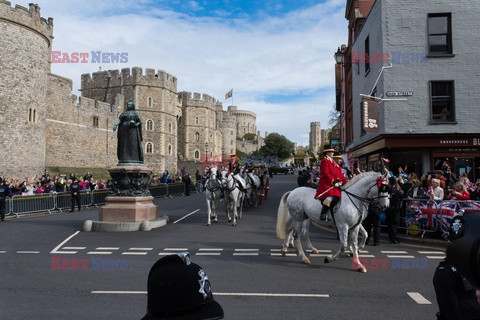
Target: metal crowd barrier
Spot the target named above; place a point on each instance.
(49, 202)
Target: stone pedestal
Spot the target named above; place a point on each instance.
(128, 209)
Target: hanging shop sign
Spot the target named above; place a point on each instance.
(370, 114)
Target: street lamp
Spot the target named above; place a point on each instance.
(339, 56)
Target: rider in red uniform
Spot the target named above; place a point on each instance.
(330, 180)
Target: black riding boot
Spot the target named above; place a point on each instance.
(323, 214)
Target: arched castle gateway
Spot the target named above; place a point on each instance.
(44, 124)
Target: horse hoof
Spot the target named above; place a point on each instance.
(283, 252)
(306, 261)
(362, 270)
(314, 250)
(208, 224)
(229, 220)
(326, 260)
(290, 245)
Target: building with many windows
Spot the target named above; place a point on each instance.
(408, 87)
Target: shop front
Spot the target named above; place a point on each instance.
(422, 153)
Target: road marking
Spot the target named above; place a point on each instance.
(74, 248)
(208, 253)
(3, 251)
(247, 250)
(275, 250)
(186, 216)
(321, 251)
(431, 252)
(131, 253)
(366, 256)
(393, 252)
(418, 298)
(404, 257)
(286, 254)
(27, 252)
(320, 255)
(238, 294)
(210, 249)
(436, 257)
(245, 253)
(146, 249)
(107, 248)
(55, 250)
(175, 249)
(99, 252)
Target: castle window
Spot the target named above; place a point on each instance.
(196, 120)
(169, 127)
(149, 125)
(32, 115)
(231, 151)
(231, 142)
(169, 150)
(95, 121)
(149, 147)
(197, 154)
(149, 102)
(197, 137)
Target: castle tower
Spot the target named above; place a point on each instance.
(26, 43)
(315, 136)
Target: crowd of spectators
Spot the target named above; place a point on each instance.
(56, 184)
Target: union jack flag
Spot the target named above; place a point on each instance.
(447, 212)
(469, 206)
(421, 212)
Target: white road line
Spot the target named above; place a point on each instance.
(55, 250)
(186, 216)
(73, 248)
(320, 255)
(27, 252)
(139, 249)
(210, 249)
(319, 251)
(436, 257)
(107, 248)
(431, 252)
(245, 253)
(366, 256)
(66, 252)
(3, 251)
(238, 294)
(99, 252)
(207, 253)
(131, 253)
(275, 250)
(394, 252)
(404, 257)
(362, 251)
(176, 249)
(418, 298)
(286, 254)
(246, 250)
(165, 253)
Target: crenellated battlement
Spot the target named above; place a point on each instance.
(29, 18)
(129, 77)
(200, 100)
(241, 113)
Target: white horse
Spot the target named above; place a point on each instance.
(298, 207)
(233, 196)
(213, 193)
(253, 183)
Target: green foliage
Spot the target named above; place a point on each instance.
(250, 136)
(277, 145)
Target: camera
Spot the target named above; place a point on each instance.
(464, 251)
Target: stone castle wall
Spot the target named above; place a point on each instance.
(25, 44)
(246, 120)
(78, 134)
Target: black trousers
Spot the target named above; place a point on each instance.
(373, 221)
(76, 199)
(3, 208)
(393, 221)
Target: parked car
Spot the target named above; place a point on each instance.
(280, 169)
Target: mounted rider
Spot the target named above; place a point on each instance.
(235, 168)
(331, 179)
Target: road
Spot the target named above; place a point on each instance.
(250, 279)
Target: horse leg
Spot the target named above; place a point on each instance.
(214, 208)
(209, 211)
(234, 207)
(297, 230)
(343, 235)
(306, 235)
(356, 264)
(364, 233)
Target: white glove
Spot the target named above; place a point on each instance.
(336, 185)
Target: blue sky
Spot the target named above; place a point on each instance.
(277, 55)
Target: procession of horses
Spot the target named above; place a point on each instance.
(298, 208)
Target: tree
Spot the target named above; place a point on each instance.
(249, 136)
(277, 145)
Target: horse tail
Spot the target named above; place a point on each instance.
(282, 216)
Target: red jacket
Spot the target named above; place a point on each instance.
(330, 172)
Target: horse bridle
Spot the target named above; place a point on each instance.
(234, 183)
(217, 187)
(366, 200)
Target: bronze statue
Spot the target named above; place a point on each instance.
(129, 148)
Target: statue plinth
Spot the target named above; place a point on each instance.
(130, 199)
